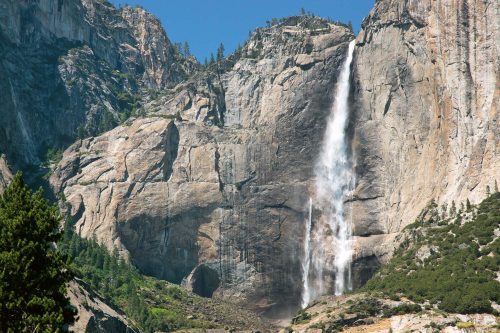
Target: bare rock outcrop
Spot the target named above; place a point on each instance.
(332, 312)
(426, 95)
(5, 173)
(95, 314)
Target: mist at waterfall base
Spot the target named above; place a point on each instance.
(334, 181)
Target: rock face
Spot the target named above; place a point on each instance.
(333, 312)
(95, 315)
(5, 173)
(426, 95)
(211, 187)
(74, 68)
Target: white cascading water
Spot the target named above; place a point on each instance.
(334, 180)
(306, 263)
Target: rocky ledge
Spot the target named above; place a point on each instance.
(95, 314)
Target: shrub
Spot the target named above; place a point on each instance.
(366, 307)
(301, 317)
(458, 276)
(402, 309)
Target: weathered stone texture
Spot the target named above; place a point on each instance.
(426, 96)
(219, 171)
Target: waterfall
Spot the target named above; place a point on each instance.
(24, 132)
(334, 180)
(306, 263)
(334, 177)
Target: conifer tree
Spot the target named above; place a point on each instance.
(33, 273)
(220, 52)
(187, 50)
(453, 208)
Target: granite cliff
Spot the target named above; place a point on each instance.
(207, 185)
(75, 68)
(222, 190)
(425, 107)
(209, 188)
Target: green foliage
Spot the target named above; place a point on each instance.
(366, 307)
(320, 325)
(127, 103)
(373, 307)
(187, 50)
(401, 310)
(33, 274)
(106, 122)
(154, 305)
(459, 275)
(53, 156)
(220, 52)
(81, 132)
(301, 317)
(183, 49)
(307, 20)
(464, 325)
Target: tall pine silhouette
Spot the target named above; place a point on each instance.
(33, 274)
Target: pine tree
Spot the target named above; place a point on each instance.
(33, 274)
(178, 47)
(453, 209)
(107, 264)
(468, 205)
(220, 52)
(81, 132)
(187, 51)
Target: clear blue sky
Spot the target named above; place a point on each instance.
(204, 24)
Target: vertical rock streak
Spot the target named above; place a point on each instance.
(334, 180)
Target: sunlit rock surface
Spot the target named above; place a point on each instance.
(425, 103)
(218, 172)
